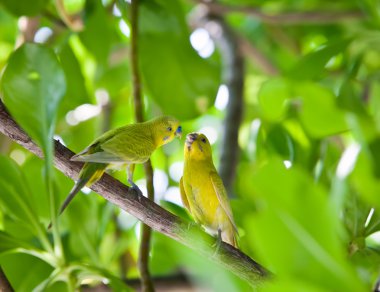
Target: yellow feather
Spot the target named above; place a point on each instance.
(202, 190)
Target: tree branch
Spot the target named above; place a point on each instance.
(5, 286)
(145, 210)
(285, 18)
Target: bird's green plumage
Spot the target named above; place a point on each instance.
(130, 144)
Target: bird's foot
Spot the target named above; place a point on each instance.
(217, 243)
(135, 187)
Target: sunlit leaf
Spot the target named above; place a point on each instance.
(33, 85)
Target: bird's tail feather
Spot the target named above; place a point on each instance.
(229, 235)
(90, 173)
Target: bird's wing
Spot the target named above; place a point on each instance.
(98, 157)
(222, 196)
(183, 195)
(133, 145)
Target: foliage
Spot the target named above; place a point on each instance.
(305, 195)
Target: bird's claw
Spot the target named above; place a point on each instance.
(135, 187)
(217, 243)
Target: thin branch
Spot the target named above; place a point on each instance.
(257, 57)
(145, 210)
(286, 18)
(5, 286)
(146, 281)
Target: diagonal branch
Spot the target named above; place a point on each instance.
(145, 210)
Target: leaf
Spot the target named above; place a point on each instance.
(295, 211)
(99, 23)
(312, 65)
(175, 209)
(15, 195)
(273, 95)
(33, 84)
(318, 111)
(76, 93)
(180, 82)
(9, 243)
(25, 7)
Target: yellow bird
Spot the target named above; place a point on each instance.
(203, 192)
(127, 145)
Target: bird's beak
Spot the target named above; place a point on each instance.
(190, 138)
(178, 132)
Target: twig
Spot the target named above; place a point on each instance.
(5, 286)
(286, 18)
(145, 210)
(146, 281)
(257, 57)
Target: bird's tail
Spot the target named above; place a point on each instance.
(90, 173)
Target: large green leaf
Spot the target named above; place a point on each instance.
(294, 214)
(33, 85)
(179, 80)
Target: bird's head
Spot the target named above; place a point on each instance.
(197, 146)
(166, 129)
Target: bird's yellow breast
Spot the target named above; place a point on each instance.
(203, 201)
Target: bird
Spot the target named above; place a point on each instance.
(127, 145)
(202, 190)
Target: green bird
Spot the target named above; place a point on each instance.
(128, 145)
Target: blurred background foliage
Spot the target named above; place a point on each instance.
(305, 194)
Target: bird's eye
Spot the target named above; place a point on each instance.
(170, 129)
(203, 140)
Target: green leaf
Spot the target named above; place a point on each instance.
(180, 82)
(312, 65)
(9, 243)
(176, 210)
(273, 95)
(25, 7)
(15, 195)
(318, 111)
(33, 84)
(295, 211)
(99, 23)
(76, 93)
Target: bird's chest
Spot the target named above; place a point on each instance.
(201, 194)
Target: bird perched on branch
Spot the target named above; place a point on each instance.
(128, 145)
(203, 192)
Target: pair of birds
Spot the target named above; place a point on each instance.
(202, 190)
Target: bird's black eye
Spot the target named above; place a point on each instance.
(203, 140)
(170, 129)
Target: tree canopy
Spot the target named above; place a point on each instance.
(288, 94)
